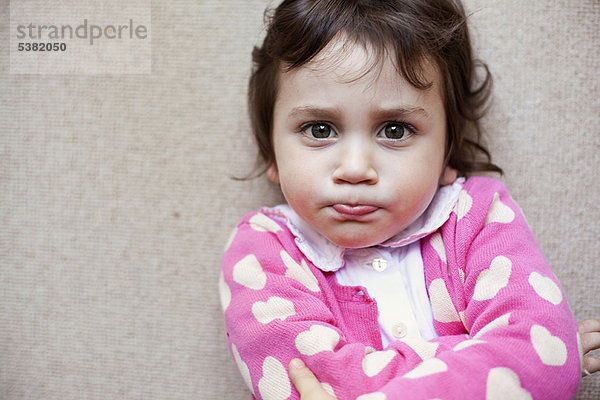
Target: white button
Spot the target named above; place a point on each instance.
(379, 264)
(399, 330)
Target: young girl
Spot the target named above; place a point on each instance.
(388, 273)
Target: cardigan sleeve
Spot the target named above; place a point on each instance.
(487, 276)
(505, 328)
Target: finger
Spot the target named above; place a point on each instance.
(589, 325)
(590, 341)
(590, 365)
(302, 378)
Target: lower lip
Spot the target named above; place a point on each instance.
(354, 211)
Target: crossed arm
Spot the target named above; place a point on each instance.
(310, 388)
(279, 307)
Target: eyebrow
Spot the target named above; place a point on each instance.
(395, 112)
(332, 113)
(314, 112)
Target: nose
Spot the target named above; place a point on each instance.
(355, 164)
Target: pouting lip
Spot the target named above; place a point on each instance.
(354, 210)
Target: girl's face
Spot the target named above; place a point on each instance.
(359, 156)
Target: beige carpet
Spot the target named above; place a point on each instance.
(116, 202)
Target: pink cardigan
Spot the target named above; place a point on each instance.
(506, 331)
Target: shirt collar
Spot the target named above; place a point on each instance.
(329, 257)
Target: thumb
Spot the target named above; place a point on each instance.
(303, 379)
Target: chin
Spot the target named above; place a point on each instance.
(358, 242)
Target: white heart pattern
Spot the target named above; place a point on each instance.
(274, 308)
(499, 322)
(299, 272)
(372, 396)
(375, 362)
(424, 349)
(491, 280)
(463, 205)
(551, 349)
(438, 244)
(249, 273)
(545, 288)
(441, 303)
(499, 212)
(426, 368)
(317, 339)
(467, 343)
(261, 223)
(275, 384)
(224, 292)
(503, 383)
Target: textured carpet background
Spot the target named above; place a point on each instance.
(116, 201)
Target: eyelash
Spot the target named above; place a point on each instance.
(408, 128)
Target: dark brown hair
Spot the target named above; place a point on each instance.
(413, 31)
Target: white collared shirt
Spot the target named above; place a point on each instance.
(392, 272)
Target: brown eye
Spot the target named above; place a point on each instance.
(320, 131)
(395, 131)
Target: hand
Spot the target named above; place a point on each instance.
(590, 340)
(306, 383)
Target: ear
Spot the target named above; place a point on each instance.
(273, 173)
(448, 176)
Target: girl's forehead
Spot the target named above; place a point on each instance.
(350, 61)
